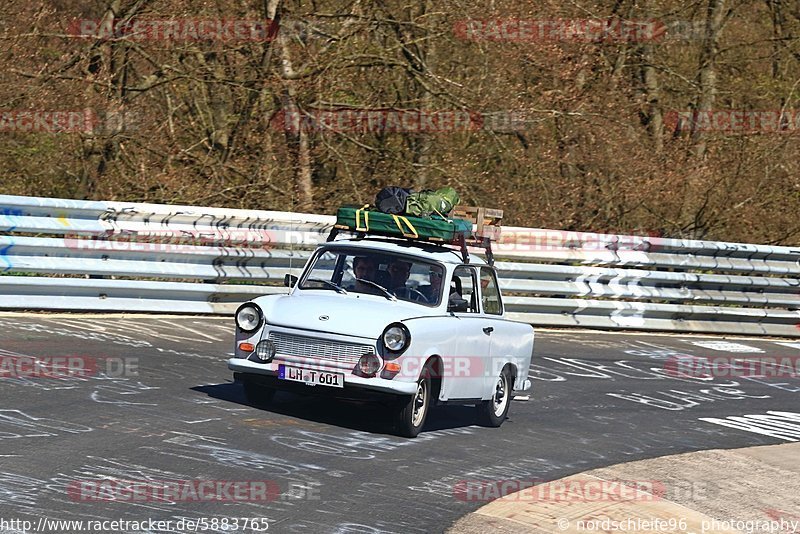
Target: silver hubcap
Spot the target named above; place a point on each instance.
(419, 403)
(500, 396)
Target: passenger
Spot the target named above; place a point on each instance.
(432, 291)
(399, 271)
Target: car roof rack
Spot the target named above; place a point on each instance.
(486, 228)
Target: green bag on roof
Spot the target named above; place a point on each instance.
(427, 203)
(423, 228)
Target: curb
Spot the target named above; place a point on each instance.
(755, 489)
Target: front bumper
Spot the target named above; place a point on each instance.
(351, 381)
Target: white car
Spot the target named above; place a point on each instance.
(370, 318)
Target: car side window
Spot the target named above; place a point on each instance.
(466, 279)
(490, 295)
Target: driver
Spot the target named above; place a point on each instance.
(364, 267)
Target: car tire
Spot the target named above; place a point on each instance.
(413, 410)
(493, 412)
(257, 394)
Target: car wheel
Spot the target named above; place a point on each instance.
(414, 410)
(493, 412)
(257, 394)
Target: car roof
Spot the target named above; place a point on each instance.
(420, 249)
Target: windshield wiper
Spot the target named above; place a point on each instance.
(386, 292)
(339, 289)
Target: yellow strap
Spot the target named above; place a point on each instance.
(440, 215)
(366, 219)
(413, 234)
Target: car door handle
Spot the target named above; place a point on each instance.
(488, 330)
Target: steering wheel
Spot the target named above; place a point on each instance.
(411, 294)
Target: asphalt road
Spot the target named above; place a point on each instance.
(159, 405)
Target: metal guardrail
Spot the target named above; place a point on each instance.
(58, 254)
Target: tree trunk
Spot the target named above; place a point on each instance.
(654, 113)
(707, 70)
(97, 152)
(298, 142)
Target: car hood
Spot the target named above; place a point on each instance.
(351, 315)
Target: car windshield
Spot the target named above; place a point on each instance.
(392, 276)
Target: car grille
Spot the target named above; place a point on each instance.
(321, 349)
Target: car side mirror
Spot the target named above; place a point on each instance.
(456, 304)
(289, 280)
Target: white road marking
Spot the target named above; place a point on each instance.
(192, 330)
(726, 346)
(201, 421)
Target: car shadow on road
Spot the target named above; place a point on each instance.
(355, 415)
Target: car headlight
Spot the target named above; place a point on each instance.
(369, 365)
(248, 317)
(265, 350)
(396, 337)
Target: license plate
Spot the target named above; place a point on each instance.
(311, 377)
